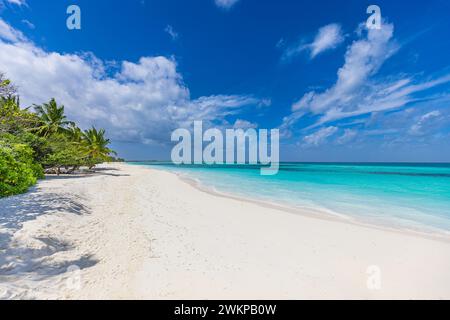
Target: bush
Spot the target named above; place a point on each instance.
(39, 145)
(18, 172)
(27, 148)
(63, 153)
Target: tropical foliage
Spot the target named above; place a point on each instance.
(32, 143)
(18, 171)
(51, 119)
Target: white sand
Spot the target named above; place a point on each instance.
(138, 233)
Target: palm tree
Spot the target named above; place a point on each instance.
(96, 146)
(75, 134)
(52, 119)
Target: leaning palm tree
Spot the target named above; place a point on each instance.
(96, 146)
(52, 119)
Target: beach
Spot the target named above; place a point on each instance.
(132, 232)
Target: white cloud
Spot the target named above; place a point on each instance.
(8, 33)
(140, 101)
(380, 98)
(172, 33)
(18, 2)
(357, 92)
(348, 136)
(424, 121)
(327, 38)
(225, 4)
(244, 124)
(319, 137)
(28, 24)
(363, 59)
(304, 102)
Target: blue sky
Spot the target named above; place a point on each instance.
(337, 91)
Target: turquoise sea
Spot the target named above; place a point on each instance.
(411, 196)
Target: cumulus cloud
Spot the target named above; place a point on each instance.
(138, 101)
(319, 137)
(357, 91)
(327, 38)
(225, 4)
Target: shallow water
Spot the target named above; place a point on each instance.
(412, 196)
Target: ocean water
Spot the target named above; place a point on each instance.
(408, 196)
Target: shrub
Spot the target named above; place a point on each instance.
(63, 153)
(39, 145)
(18, 172)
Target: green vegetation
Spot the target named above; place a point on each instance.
(32, 143)
(18, 171)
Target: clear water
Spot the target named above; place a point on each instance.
(413, 196)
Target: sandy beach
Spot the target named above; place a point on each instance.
(130, 232)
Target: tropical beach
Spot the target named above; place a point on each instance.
(224, 150)
(140, 233)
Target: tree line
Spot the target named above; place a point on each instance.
(40, 139)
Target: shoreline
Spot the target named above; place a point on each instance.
(317, 213)
(136, 232)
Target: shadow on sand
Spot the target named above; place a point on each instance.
(20, 260)
(16, 210)
(83, 175)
